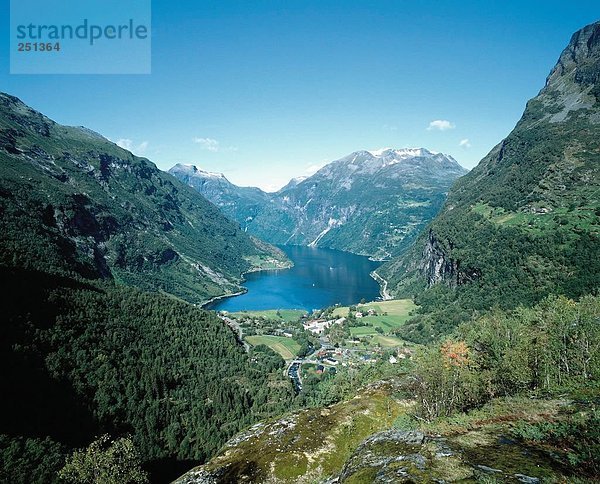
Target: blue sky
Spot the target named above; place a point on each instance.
(266, 90)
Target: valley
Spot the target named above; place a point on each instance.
(371, 203)
(319, 342)
(390, 317)
(487, 365)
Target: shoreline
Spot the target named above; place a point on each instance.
(243, 290)
(377, 259)
(383, 292)
(258, 269)
(222, 296)
(385, 295)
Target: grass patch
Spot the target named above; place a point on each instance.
(387, 323)
(567, 219)
(286, 347)
(294, 466)
(387, 341)
(397, 313)
(498, 412)
(286, 315)
(363, 331)
(395, 307)
(268, 262)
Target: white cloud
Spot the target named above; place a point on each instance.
(208, 144)
(389, 127)
(441, 125)
(211, 144)
(465, 143)
(129, 145)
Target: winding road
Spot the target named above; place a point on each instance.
(385, 295)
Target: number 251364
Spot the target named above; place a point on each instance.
(38, 47)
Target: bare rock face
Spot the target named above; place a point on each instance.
(579, 58)
(397, 456)
(573, 84)
(436, 266)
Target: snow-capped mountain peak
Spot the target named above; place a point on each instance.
(193, 170)
(402, 153)
(378, 153)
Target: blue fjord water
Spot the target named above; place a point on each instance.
(319, 278)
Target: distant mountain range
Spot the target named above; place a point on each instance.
(369, 202)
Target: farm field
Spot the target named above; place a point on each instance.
(395, 307)
(363, 331)
(387, 341)
(286, 347)
(370, 341)
(396, 314)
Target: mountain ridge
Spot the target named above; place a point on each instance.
(104, 262)
(368, 202)
(524, 222)
(105, 213)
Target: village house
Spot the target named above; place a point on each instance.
(319, 325)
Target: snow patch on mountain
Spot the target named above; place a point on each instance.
(330, 224)
(193, 170)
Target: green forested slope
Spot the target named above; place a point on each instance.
(74, 203)
(98, 251)
(79, 360)
(525, 222)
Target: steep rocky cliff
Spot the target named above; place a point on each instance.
(525, 222)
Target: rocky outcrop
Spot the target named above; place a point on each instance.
(385, 449)
(437, 266)
(580, 56)
(396, 456)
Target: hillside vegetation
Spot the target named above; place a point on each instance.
(525, 222)
(508, 397)
(73, 203)
(100, 251)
